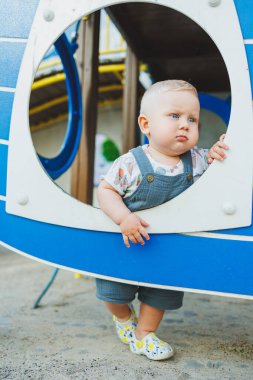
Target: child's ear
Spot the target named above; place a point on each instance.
(143, 124)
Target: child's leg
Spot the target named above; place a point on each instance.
(153, 303)
(118, 298)
(149, 320)
(144, 341)
(121, 311)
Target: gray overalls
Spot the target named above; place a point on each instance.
(153, 190)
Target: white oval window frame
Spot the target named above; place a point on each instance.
(204, 206)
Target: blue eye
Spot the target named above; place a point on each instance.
(174, 115)
(191, 119)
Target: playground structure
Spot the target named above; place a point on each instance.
(39, 220)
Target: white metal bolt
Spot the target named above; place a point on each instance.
(48, 15)
(22, 199)
(214, 3)
(228, 208)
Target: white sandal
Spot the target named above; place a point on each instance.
(152, 347)
(126, 329)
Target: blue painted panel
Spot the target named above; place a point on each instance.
(175, 260)
(220, 107)
(3, 168)
(249, 52)
(11, 54)
(6, 102)
(17, 17)
(245, 10)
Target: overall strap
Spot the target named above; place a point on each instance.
(187, 162)
(142, 160)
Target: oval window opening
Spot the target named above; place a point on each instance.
(172, 47)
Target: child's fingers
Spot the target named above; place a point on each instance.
(143, 223)
(126, 239)
(217, 156)
(132, 239)
(217, 153)
(222, 145)
(126, 242)
(220, 152)
(217, 150)
(144, 233)
(139, 239)
(136, 237)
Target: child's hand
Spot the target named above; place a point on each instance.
(132, 227)
(216, 152)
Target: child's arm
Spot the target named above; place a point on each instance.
(132, 226)
(216, 152)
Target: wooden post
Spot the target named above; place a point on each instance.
(83, 167)
(130, 101)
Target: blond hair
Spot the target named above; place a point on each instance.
(164, 86)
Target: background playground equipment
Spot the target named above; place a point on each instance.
(39, 220)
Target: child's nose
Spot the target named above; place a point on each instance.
(184, 124)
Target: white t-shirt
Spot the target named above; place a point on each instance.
(125, 176)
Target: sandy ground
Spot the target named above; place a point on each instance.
(71, 336)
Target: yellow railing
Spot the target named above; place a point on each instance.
(47, 105)
(49, 80)
(63, 99)
(48, 123)
(57, 61)
(113, 68)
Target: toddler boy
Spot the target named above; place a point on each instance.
(145, 177)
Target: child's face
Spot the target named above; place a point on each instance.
(172, 122)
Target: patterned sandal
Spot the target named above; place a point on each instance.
(152, 347)
(125, 329)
